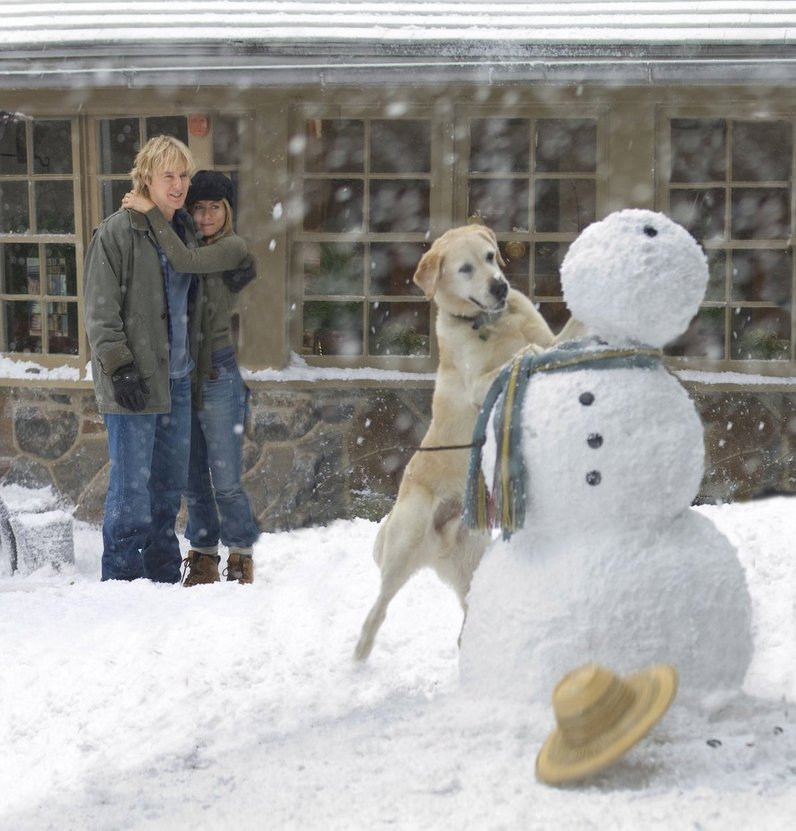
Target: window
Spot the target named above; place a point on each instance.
(365, 215)
(534, 182)
(38, 234)
(730, 185)
(41, 203)
(118, 142)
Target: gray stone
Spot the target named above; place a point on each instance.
(48, 434)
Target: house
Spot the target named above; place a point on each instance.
(356, 133)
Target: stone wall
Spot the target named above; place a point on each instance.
(316, 452)
(311, 454)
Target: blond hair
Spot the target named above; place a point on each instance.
(159, 153)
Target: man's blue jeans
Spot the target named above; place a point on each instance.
(149, 471)
(218, 507)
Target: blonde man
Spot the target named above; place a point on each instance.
(143, 329)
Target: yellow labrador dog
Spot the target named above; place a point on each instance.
(481, 324)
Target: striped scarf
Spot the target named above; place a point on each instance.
(503, 505)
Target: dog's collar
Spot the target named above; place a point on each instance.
(481, 319)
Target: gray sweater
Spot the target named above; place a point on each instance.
(217, 301)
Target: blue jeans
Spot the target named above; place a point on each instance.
(218, 507)
(149, 470)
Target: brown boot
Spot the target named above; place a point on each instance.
(200, 568)
(240, 567)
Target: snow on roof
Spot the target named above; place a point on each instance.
(270, 21)
(86, 43)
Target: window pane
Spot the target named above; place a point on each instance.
(717, 277)
(565, 204)
(399, 205)
(332, 328)
(335, 145)
(14, 208)
(556, 315)
(333, 205)
(119, 142)
(393, 265)
(52, 147)
(547, 268)
(760, 213)
(20, 268)
(567, 145)
(500, 145)
(761, 334)
(332, 267)
(704, 337)
(399, 329)
(62, 328)
(761, 151)
(112, 193)
(399, 146)
(762, 275)
(167, 125)
(516, 255)
(13, 150)
(698, 150)
(23, 326)
(61, 269)
(701, 212)
(226, 141)
(502, 204)
(55, 207)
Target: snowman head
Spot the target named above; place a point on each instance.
(635, 275)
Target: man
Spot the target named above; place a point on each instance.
(141, 325)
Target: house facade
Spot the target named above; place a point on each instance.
(356, 133)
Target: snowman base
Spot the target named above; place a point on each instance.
(540, 607)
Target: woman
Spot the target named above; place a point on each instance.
(218, 507)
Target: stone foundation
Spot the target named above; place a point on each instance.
(316, 452)
(312, 454)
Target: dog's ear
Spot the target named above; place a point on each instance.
(428, 272)
(490, 235)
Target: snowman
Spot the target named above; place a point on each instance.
(593, 455)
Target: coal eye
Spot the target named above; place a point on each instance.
(650, 231)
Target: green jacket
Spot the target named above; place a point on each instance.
(126, 314)
(217, 301)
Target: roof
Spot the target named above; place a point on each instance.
(571, 21)
(93, 41)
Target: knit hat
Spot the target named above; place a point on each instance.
(210, 185)
(600, 717)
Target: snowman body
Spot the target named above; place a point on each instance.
(612, 564)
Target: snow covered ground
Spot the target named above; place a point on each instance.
(136, 706)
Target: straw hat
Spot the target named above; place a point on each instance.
(600, 717)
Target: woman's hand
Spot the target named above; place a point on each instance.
(136, 202)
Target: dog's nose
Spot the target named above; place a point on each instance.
(498, 289)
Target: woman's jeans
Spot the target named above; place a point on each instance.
(149, 470)
(218, 507)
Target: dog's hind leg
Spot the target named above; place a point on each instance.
(392, 580)
(397, 560)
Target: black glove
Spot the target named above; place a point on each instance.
(129, 388)
(237, 278)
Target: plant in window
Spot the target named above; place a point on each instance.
(400, 339)
(763, 345)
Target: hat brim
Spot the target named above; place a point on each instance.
(559, 761)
